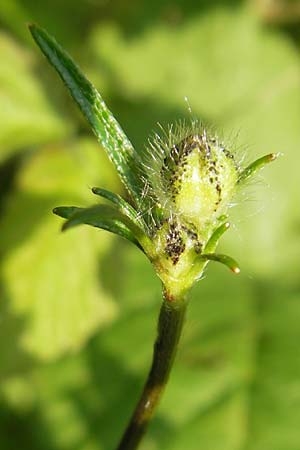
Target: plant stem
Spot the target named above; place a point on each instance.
(170, 322)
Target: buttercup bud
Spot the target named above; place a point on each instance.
(198, 179)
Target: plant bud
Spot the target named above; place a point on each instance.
(201, 177)
(198, 179)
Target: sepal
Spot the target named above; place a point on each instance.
(223, 259)
(254, 167)
(214, 239)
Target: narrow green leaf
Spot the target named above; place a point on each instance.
(66, 212)
(121, 204)
(101, 216)
(256, 166)
(106, 128)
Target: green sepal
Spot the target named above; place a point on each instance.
(256, 166)
(223, 259)
(214, 239)
(103, 123)
(104, 217)
(121, 205)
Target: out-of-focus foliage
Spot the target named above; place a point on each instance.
(26, 115)
(39, 266)
(78, 310)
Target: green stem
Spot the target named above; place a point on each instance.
(170, 324)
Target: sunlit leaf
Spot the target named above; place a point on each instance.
(102, 121)
(99, 216)
(121, 204)
(51, 289)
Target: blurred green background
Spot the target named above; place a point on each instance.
(78, 310)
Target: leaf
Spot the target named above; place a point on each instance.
(274, 405)
(100, 216)
(52, 298)
(66, 212)
(115, 366)
(103, 123)
(233, 378)
(121, 204)
(26, 115)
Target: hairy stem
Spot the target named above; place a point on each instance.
(170, 322)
